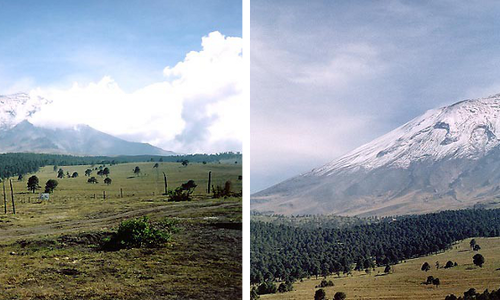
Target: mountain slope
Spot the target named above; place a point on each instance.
(80, 140)
(446, 158)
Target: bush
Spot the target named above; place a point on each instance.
(182, 193)
(320, 295)
(325, 283)
(267, 288)
(339, 296)
(285, 287)
(220, 192)
(140, 232)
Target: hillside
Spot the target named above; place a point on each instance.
(448, 158)
(405, 282)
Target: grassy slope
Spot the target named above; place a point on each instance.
(405, 281)
(202, 261)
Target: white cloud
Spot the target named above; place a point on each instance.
(197, 108)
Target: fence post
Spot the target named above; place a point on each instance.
(209, 181)
(12, 194)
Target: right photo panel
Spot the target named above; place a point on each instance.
(375, 150)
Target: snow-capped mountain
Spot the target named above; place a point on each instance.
(18, 107)
(17, 134)
(447, 158)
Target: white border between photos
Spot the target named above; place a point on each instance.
(246, 152)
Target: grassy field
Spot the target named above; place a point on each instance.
(406, 280)
(49, 249)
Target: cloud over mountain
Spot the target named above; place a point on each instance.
(196, 108)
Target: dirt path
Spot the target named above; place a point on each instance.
(171, 210)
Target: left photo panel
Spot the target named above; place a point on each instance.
(121, 132)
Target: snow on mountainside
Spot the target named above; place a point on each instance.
(18, 107)
(467, 129)
(17, 134)
(447, 158)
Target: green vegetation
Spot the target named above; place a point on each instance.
(140, 232)
(406, 278)
(286, 253)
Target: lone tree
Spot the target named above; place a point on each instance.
(436, 282)
(320, 295)
(92, 180)
(426, 267)
(478, 260)
(339, 296)
(107, 180)
(75, 174)
(472, 243)
(33, 184)
(60, 173)
(88, 172)
(137, 170)
(387, 269)
(50, 185)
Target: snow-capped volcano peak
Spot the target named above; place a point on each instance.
(18, 107)
(467, 129)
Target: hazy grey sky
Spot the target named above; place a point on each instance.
(329, 76)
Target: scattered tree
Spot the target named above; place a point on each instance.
(436, 282)
(156, 166)
(478, 260)
(476, 247)
(387, 269)
(50, 185)
(137, 170)
(20, 177)
(426, 267)
(185, 162)
(267, 287)
(74, 175)
(92, 180)
(430, 280)
(449, 264)
(88, 172)
(320, 295)
(472, 243)
(60, 173)
(339, 296)
(33, 183)
(55, 168)
(107, 180)
(105, 171)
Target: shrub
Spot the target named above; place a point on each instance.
(339, 296)
(325, 283)
(182, 193)
(267, 288)
(140, 232)
(320, 295)
(220, 192)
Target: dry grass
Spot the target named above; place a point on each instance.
(203, 260)
(406, 280)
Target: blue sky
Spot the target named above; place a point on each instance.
(174, 67)
(329, 76)
(58, 42)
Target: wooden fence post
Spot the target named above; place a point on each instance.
(209, 181)
(104, 195)
(121, 193)
(166, 186)
(4, 197)
(12, 194)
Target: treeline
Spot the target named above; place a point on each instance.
(15, 164)
(287, 253)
